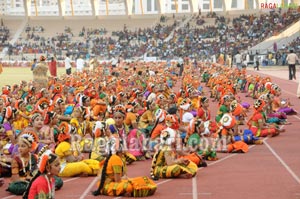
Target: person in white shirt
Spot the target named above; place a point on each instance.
(151, 73)
(180, 65)
(114, 62)
(256, 61)
(80, 64)
(292, 58)
(238, 60)
(68, 65)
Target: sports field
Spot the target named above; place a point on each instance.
(14, 75)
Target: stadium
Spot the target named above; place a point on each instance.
(149, 98)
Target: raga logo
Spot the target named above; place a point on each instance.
(278, 5)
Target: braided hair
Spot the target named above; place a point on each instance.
(153, 165)
(103, 177)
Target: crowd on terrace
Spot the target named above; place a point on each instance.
(196, 39)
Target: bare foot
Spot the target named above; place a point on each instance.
(127, 194)
(1, 182)
(84, 174)
(258, 142)
(286, 123)
(186, 175)
(275, 134)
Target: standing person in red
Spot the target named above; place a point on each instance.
(43, 184)
(52, 67)
(1, 70)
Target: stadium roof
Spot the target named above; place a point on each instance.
(63, 8)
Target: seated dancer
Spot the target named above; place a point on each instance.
(237, 110)
(165, 162)
(71, 159)
(24, 164)
(279, 118)
(227, 129)
(279, 104)
(147, 120)
(257, 123)
(196, 141)
(45, 136)
(185, 117)
(99, 140)
(114, 181)
(247, 137)
(204, 114)
(7, 117)
(123, 132)
(43, 184)
(224, 108)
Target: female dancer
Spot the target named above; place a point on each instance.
(114, 181)
(43, 183)
(24, 164)
(166, 164)
(72, 161)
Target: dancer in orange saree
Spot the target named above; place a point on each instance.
(113, 178)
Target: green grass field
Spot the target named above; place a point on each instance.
(14, 75)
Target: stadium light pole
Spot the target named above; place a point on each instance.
(176, 6)
(25, 3)
(106, 3)
(93, 7)
(35, 8)
(128, 5)
(72, 9)
(194, 6)
(142, 8)
(61, 7)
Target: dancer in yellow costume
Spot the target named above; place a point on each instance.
(83, 127)
(72, 161)
(40, 78)
(99, 140)
(166, 164)
(113, 181)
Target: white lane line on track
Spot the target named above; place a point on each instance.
(9, 197)
(195, 189)
(283, 163)
(207, 193)
(89, 188)
(163, 182)
(290, 93)
(295, 116)
(71, 179)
